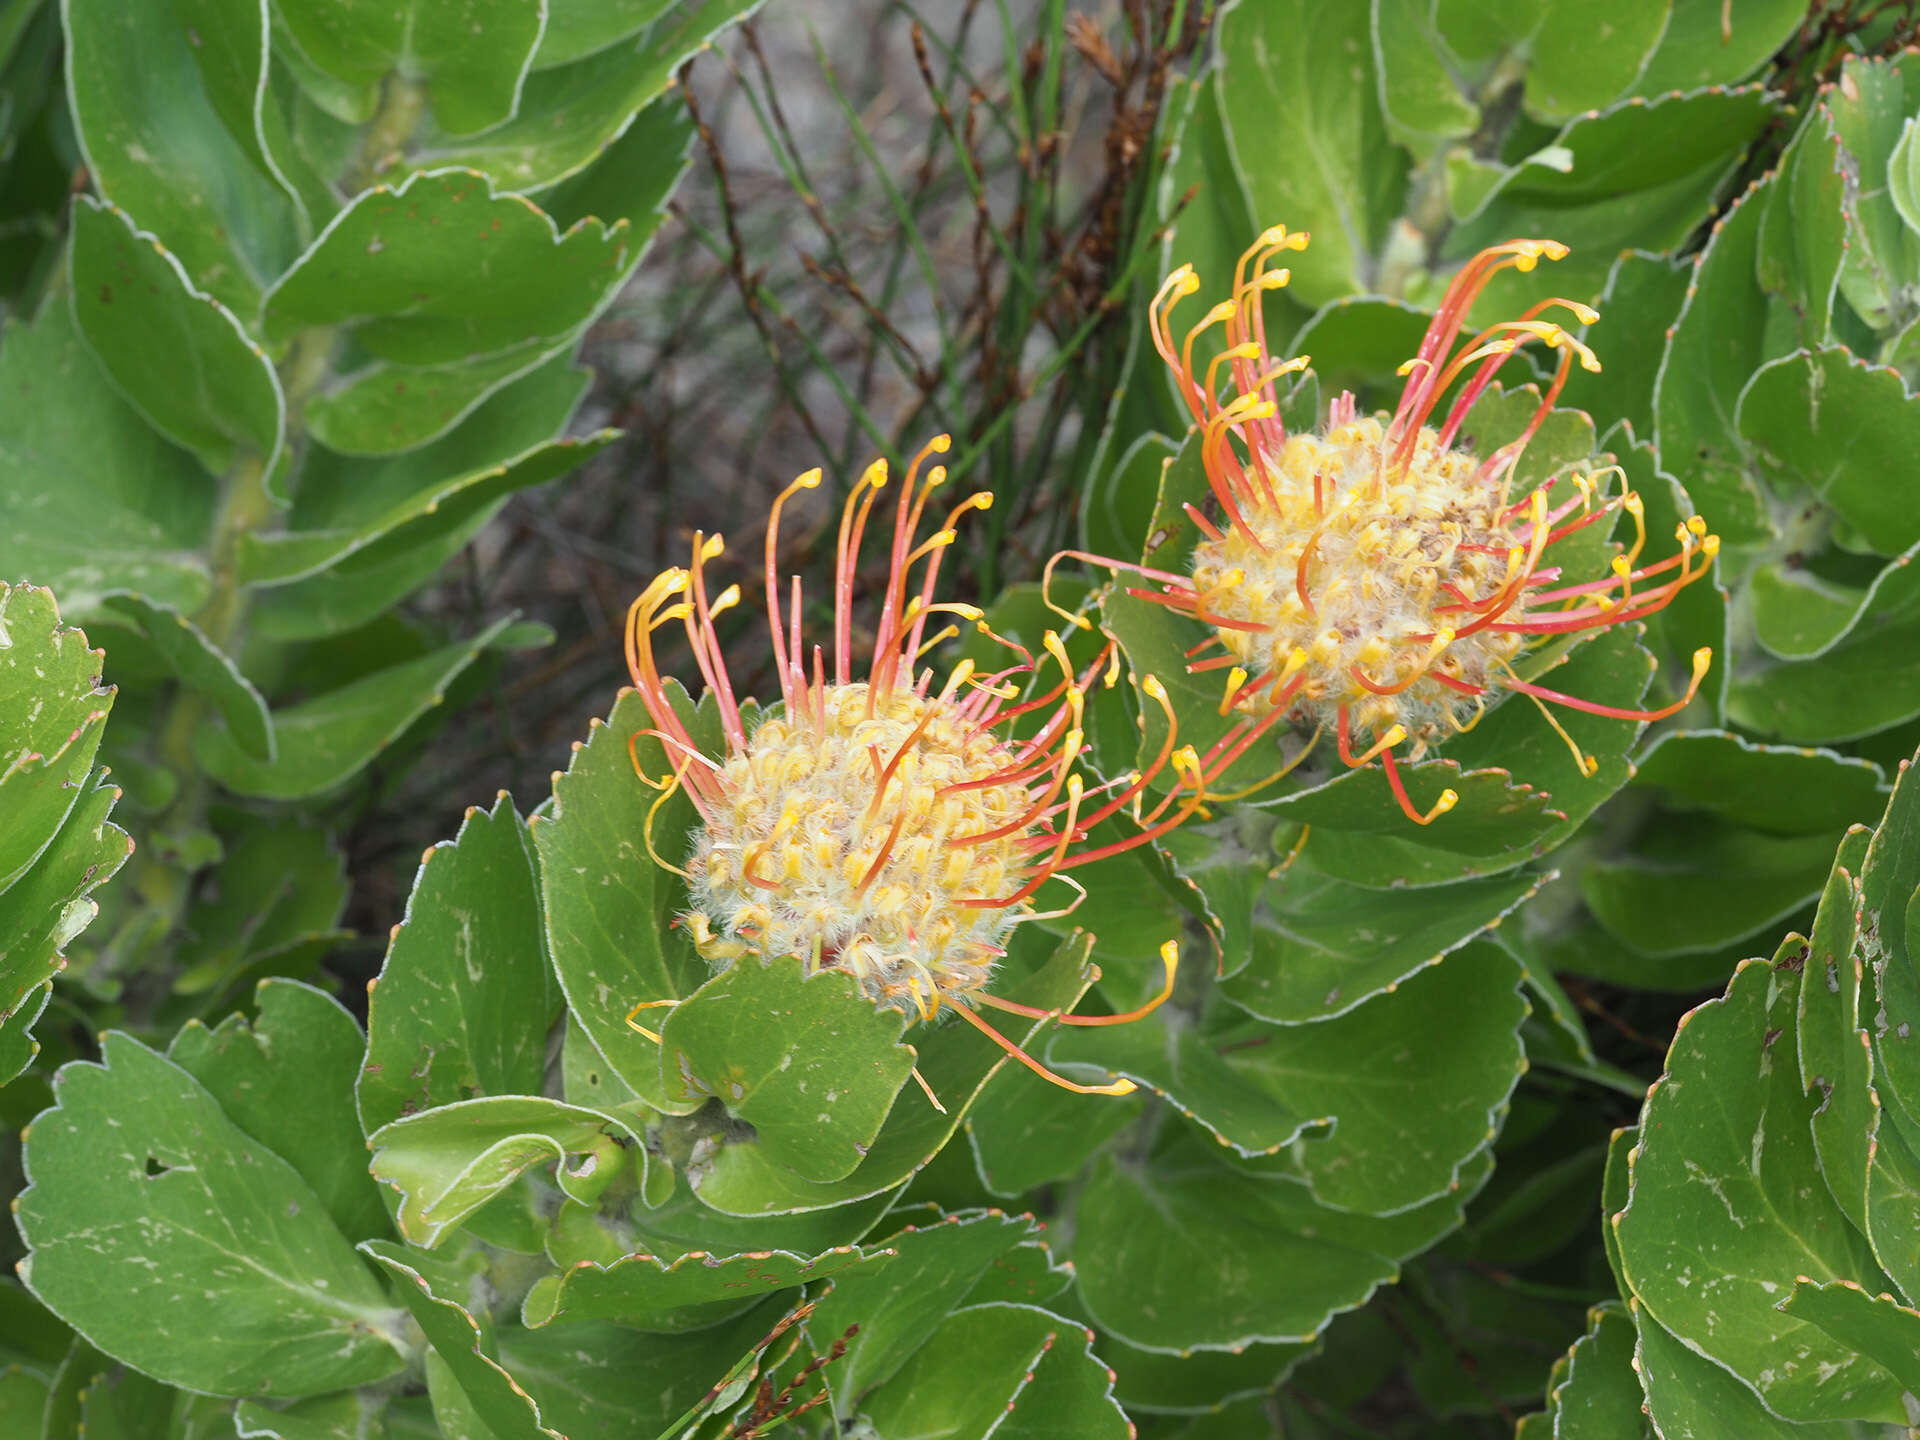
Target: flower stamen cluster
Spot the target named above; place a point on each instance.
(1375, 579)
(874, 824)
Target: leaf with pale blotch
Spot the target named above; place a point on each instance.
(898, 1306)
(154, 143)
(1322, 947)
(1688, 1397)
(326, 741)
(1868, 110)
(691, 1292)
(162, 1229)
(442, 268)
(954, 1060)
(180, 355)
(808, 1060)
(449, 1161)
(1721, 1220)
(52, 712)
(1879, 1326)
(473, 58)
(1020, 1357)
(466, 997)
(202, 666)
(287, 1080)
(1187, 1254)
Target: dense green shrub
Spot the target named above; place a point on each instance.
(674, 1108)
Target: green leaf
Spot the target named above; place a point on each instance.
(351, 1415)
(465, 999)
(1203, 1383)
(1691, 1398)
(413, 541)
(1637, 175)
(1693, 883)
(1414, 1081)
(1019, 1357)
(130, 511)
(1718, 341)
(287, 1080)
(1322, 947)
(807, 1060)
(45, 908)
(1721, 1218)
(1781, 788)
(1358, 342)
(1183, 1062)
(343, 506)
(692, 1292)
(1644, 293)
(442, 268)
(436, 1295)
(1187, 1254)
(1577, 65)
(602, 1380)
(1600, 1399)
(1026, 1131)
(179, 354)
(1117, 509)
(449, 1161)
(1868, 110)
(202, 666)
(52, 713)
(1308, 68)
(155, 145)
(1418, 91)
(1823, 421)
(680, 1224)
(1880, 1327)
(1716, 42)
(571, 114)
(473, 59)
(279, 890)
(955, 1062)
(608, 902)
(899, 1305)
(578, 28)
(1866, 683)
(326, 741)
(162, 1229)
(383, 409)
(1803, 234)
(1836, 1065)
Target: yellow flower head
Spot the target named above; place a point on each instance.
(874, 823)
(1374, 580)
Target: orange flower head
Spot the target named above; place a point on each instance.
(1376, 579)
(878, 824)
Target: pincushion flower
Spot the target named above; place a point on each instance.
(1377, 580)
(879, 824)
